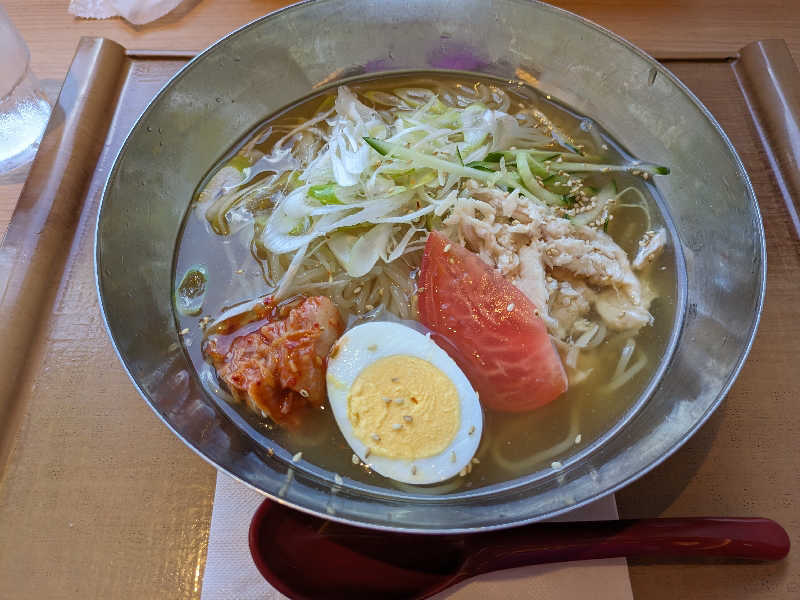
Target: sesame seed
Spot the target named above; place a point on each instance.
(604, 146)
(447, 248)
(270, 451)
(184, 331)
(397, 427)
(413, 469)
(380, 292)
(338, 479)
(452, 457)
(556, 465)
(376, 437)
(369, 307)
(471, 430)
(239, 271)
(510, 307)
(355, 459)
(304, 393)
(358, 289)
(297, 457)
(578, 438)
(462, 472)
(408, 418)
(476, 461)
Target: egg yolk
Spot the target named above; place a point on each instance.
(404, 407)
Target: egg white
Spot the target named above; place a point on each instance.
(364, 344)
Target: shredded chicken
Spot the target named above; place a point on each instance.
(531, 280)
(588, 254)
(565, 270)
(650, 247)
(278, 368)
(570, 300)
(619, 312)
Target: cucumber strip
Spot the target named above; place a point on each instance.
(556, 183)
(483, 165)
(650, 168)
(511, 155)
(571, 148)
(425, 160)
(536, 167)
(606, 194)
(523, 168)
(423, 179)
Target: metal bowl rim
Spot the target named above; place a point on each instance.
(497, 526)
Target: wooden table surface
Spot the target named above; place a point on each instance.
(667, 29)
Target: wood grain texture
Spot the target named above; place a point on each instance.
(99, 498)
(694, 28)
(672, 28)
(37, 240)
(742, 462)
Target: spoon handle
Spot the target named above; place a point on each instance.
(743, 538)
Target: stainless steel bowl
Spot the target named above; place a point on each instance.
(269, 63)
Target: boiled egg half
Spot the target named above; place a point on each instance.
(402, 403)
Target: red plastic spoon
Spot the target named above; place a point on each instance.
(306, 557)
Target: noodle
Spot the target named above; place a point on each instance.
(572, 357)
(625, 377)
(624, 357)
(587, 336)
(291, 271)
(529, 462)
(284, 172)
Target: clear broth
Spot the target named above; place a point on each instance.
(513, 445)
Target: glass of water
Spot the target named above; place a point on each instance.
(24, 109)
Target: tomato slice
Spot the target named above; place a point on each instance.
(490, 328)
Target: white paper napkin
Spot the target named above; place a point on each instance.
(137, 12)
(230, 572)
